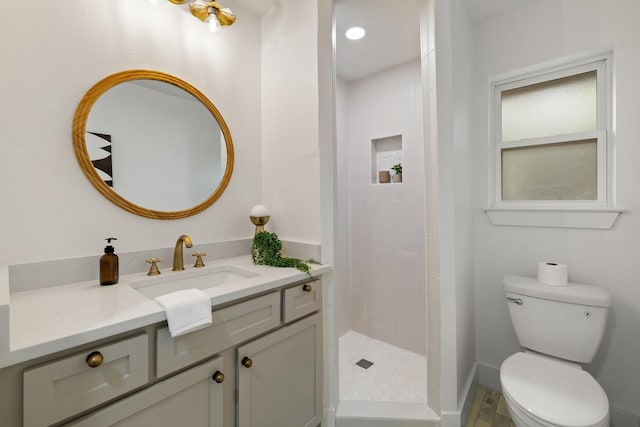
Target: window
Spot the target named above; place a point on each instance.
(550, 139)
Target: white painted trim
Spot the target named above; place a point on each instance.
(466, 399)
(594, 219)
(601, 62)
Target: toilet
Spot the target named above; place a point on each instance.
(560, 327)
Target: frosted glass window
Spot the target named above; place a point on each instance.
(557, 107)
(564, 171)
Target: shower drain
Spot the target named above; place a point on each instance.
(364, 363)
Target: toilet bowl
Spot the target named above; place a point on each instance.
(559, 328)
(540, 391)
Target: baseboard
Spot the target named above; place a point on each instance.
(457, 418)
(469, 393)
(489, 376)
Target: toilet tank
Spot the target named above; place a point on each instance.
(562, 321)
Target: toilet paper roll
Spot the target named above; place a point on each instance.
(552, 273)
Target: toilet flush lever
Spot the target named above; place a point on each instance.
(515, 300)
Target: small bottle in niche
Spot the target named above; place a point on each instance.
(109, 265)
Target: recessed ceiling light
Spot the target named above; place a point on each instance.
(355, 33)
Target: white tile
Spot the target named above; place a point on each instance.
(397, 375)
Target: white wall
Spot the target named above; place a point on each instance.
(453, 217)
(342, 258)
(290, 130)
(547, 30)
(386, 221)
(50, 58)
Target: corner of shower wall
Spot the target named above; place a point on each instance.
(430, 125)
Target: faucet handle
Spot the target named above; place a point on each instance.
(153, 271)
(199, 256)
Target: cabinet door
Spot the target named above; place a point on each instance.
(282, 387)
(192, 398)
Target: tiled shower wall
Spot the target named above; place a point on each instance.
(385, 231)
(428, 54)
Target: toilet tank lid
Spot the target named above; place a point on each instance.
(572, 293)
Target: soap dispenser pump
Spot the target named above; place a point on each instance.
(109, 265)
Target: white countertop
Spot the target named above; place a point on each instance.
(48, 320)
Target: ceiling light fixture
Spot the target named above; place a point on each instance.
(355, 33)
(211, 13)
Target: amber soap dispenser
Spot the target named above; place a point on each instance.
(109, 265)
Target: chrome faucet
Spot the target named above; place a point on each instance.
(178, 260)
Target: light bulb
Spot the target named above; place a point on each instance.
(259, 211)
(355, 33)
(214, 24)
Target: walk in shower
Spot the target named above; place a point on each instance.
(381, 267)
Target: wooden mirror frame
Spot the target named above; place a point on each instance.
(82, 154)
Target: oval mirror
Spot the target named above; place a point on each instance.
(153, 144)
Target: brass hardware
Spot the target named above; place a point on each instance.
(199, 256)
(153, 270)
(95, 359)
(202, 10)
(307, 287)
(82, 154)
(218, 377)
(259, 222)
(247, 363)
(178, 260)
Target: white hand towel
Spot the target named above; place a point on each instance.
(187, 310)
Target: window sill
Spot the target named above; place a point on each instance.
(596, 219)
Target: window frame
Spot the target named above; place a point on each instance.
(604, 144)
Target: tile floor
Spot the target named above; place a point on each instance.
(489, 409)
(396, 375)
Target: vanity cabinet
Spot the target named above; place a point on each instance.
(192, 398)
(258, 364)
(280, 376)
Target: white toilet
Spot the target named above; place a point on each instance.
(559, 327)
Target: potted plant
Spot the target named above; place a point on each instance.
(267, 250)
(397, 176)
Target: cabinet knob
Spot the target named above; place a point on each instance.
(246, 362)
(218, 377)
(307, 287)
(95, 359)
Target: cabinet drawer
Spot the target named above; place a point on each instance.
(63, 388)
(301, 300)
(231, 325)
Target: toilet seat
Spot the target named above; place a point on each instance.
(552, 393)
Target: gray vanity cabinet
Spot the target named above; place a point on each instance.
(152, 379)
(280, 375)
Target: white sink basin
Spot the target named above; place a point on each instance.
(201, 278)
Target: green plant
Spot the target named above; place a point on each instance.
(266, 250)
(397, 168)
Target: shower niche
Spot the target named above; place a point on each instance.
(386, 154)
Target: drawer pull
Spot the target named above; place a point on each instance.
(218, 377)
(95, 359)
(247, 363)
(307, 287)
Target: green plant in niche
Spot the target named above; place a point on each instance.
(266, 251)
(397, 168)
